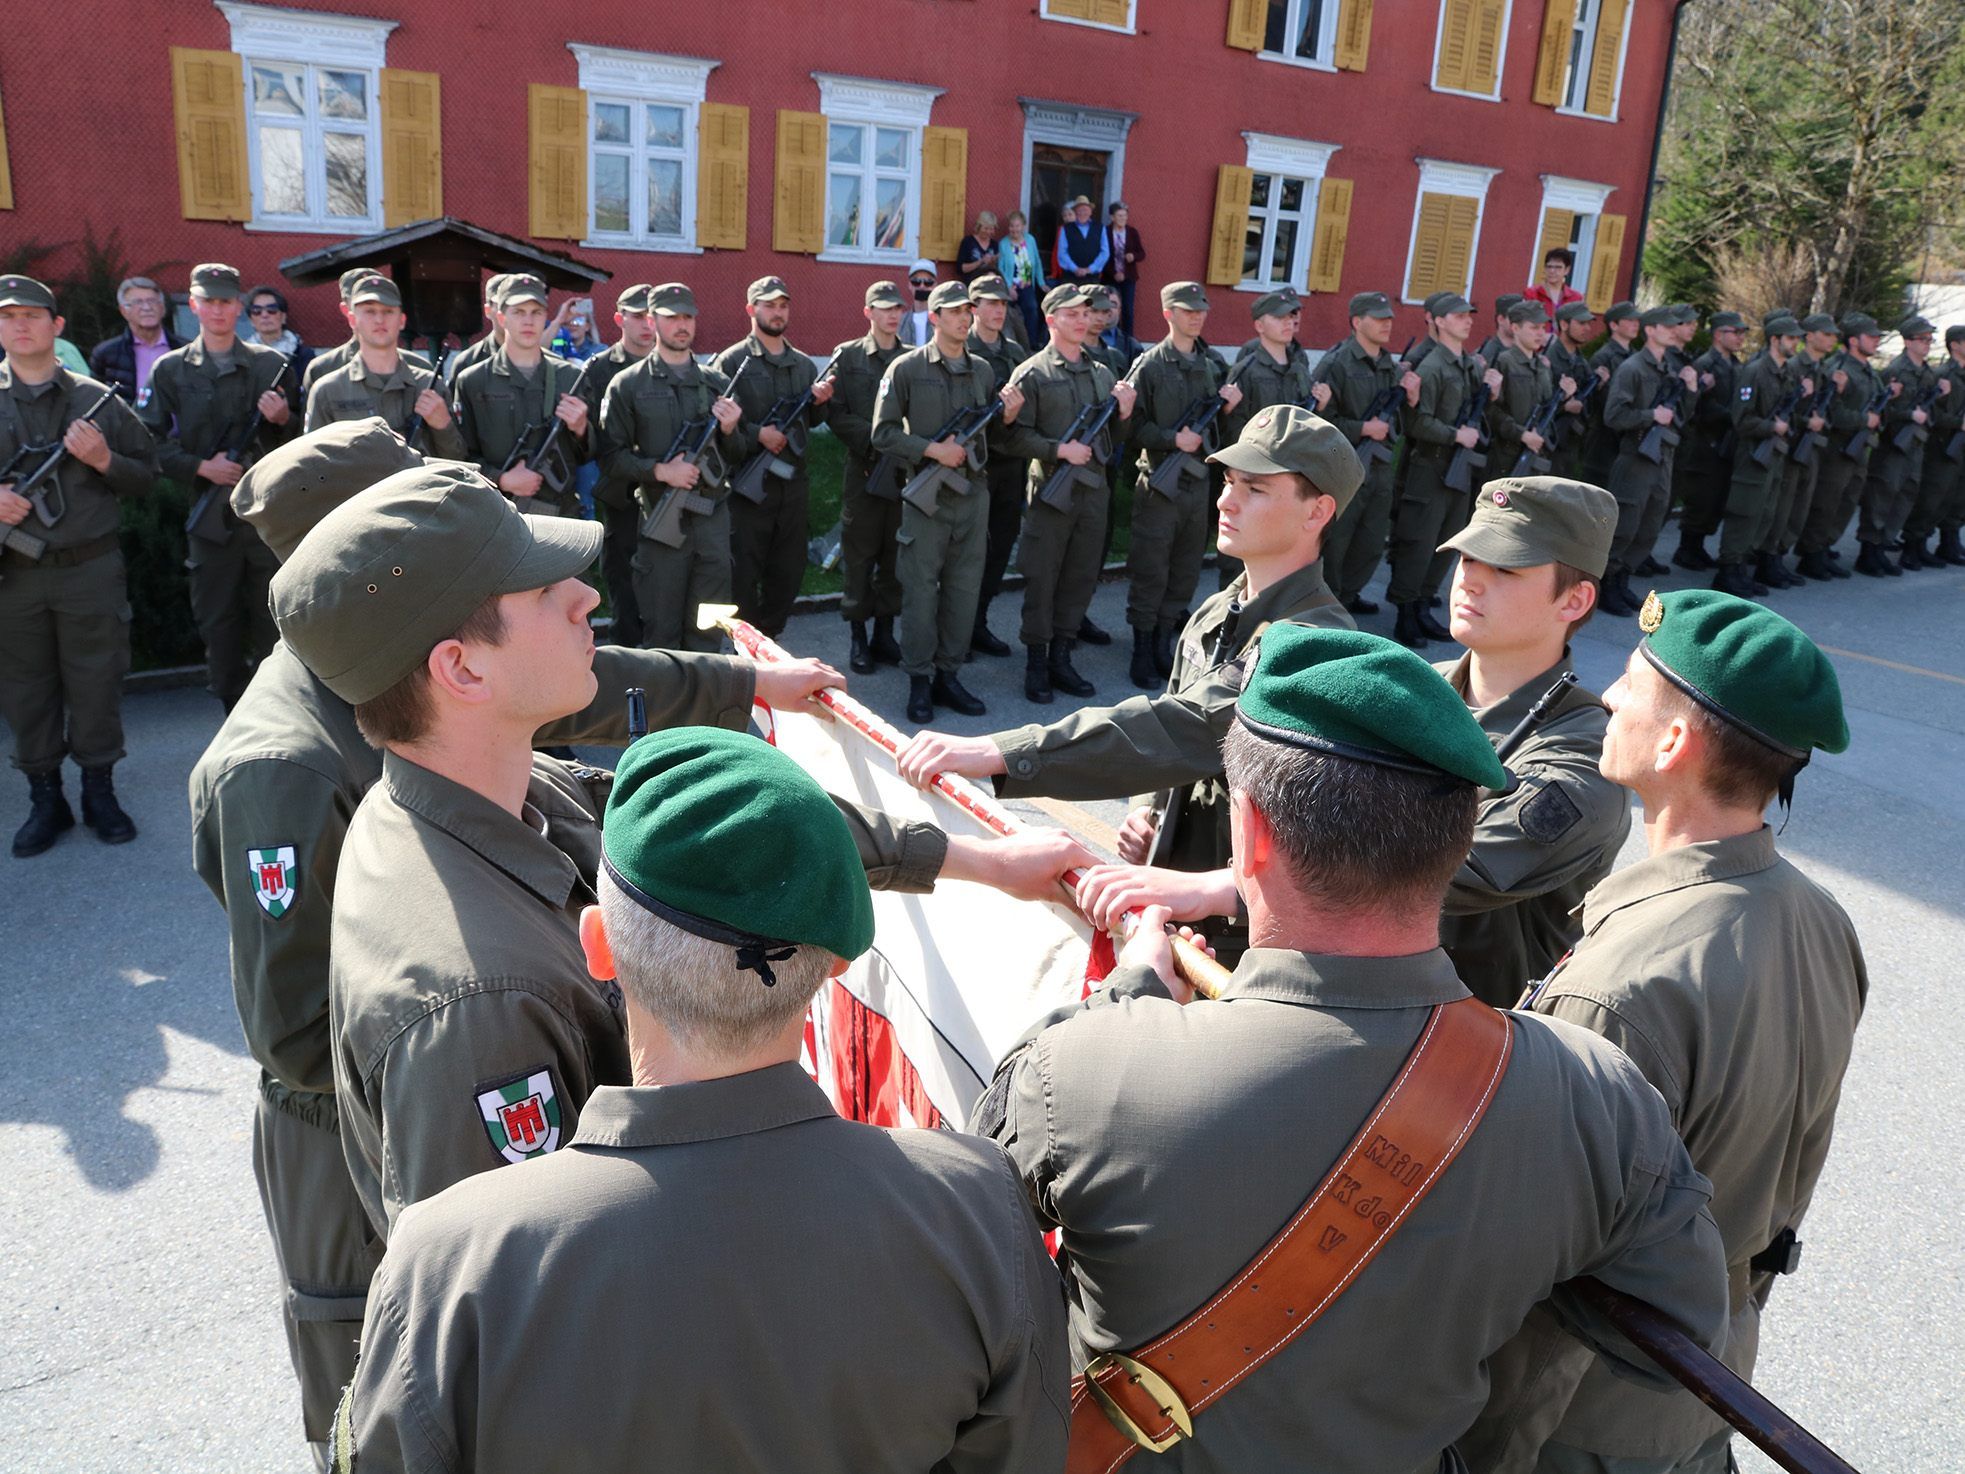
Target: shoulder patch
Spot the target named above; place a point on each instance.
(1549, 815)
(521, 1115)
(275, 879)
(1746, 393)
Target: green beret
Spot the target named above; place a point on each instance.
(1287, 437)
(948, 294)
(1279, 303)
(1526, 521)
(1818, 322)
(721, 834)
(1745, 664)
(1370, 304)
(1188, 294)
(1528, 314)
(25, 291)
(286, 491)
(1357, 695)
(1575, 312)
(1727, 320)
(1619, 311)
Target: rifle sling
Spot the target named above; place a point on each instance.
(1123, 1403)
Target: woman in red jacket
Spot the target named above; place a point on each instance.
(1554, 289)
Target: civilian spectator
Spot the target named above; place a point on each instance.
(1023, 269)
(266, 307)
(575, 336)
(916, 329)
(1554, 290)
(126, 359)
(1081, 250)
(976, 256)
(70, 357)
(1124, 250)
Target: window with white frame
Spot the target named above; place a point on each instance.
(313, 117)
(643, 111)
(1596, 58)
(1570, 210)
(1286, 175)
(873, 167)
(1301, 31)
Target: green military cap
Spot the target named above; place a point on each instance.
(1772, 313)
(216, 280)
(1528, 314)
(396, 568)
(1745, 664)
(721, 834)
(765, 288)
(286, 491)
(673, 299)
(1188, 294)
(1916, 327)
(1448, 303)
(1683, 313)
(1658, 317)
(1727, 320)
(989, 287)
(638, 298)
(1370, 304)
(1781, 327)
(948, 294)
(373, 288)
(522, 287)
(1287, 437)
(1955, 334)
(1857, 322)
(1575, 312)
(1360, 696)
(1099, 298)
(1526, 521)
(1067, 294)
(1620, 311)
(25, 291)
(884, 294)
(494, 286)
(1505, 301)
(1818, 322)
(1279, 303)
(353, 277)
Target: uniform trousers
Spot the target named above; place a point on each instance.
(1941, 494)
(1790, 517)
(1643, 492)
(1059, 556)
(1355, 544)
(670, 583)
(868, 550)
(1714, 1456)
(617, 560)
(64, 650)
(1170, 538)
(1838, 485)
(1429, 513)
(1752, 506)
(229, 586)
(768, 553)
(1888, 495)
(1007, 476)
(941, 564)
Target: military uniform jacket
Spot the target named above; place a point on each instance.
(1569, 427)
(1511, 910)
(355, 392)
(39, 414)
(857, 370)
(329, 359)
(600, 371)
(1355, 379)
(1526, 384)
(1762, 385)
(1915, 378)
(1171, 1144)
(464, 357)
(1711, 419)
(199, 405)
(922, 389)
(1735, 984)
(785, 374)
(1264, 382)
(496, 405)
(1628, 401)
(1054, 389)
(1846, 416)
(1170, 383)
(1002, 356)
(1600, 444)
(1447, 381)
(642, 412)
(1947, 414)
(895, 1277)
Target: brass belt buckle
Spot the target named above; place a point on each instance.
(1156, 1386)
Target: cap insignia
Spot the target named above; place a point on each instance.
(1652, 614)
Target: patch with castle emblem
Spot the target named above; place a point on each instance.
(275, 879)
(521, 1115)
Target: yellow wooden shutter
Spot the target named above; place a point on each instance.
(1601, 99)
(209, 91)
(1604, 261)
(1428, 246)
(1557, 227)
(1327, 245)
(798, 216)
(723, 176)
(1353, 35)
(6, 171)
(1484, 28)
(1068, 9)
(1099, 12)
(1450, 70)
(1457, 257)
(1248, 23)
(1552, 59)
(944, 191)
(557, 119)
(412, 148)
(1229, 237)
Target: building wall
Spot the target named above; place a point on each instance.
(91, 143)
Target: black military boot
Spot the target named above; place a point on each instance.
(1407, 630)
(920, 705)
(1768, 573)
(1063, 675)
(101, 812)
(1869, 561)
(1037, 674)
(47, 816)
(1652, 568)
(982, 641)
(1361, 605)
(883, 647)
(947, 690)
(1143, 672)
(1692, 554)
(1834, 565)
(1949, 549)
(1890, 567)
(1615, 596)
(1916, 555)
(1430, 627)
(1163, 647)
(1731, 578)
(1091, 634)
(1815, 566)
(860, 660)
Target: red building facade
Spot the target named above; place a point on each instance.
(1339, 145)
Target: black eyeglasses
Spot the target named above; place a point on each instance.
(263, 309)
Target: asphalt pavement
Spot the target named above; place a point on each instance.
(138, 1325)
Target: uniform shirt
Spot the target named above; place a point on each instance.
(1915, 378)
(1171, 1144)
(1055, 389)
(1356, 378)
(1628, 402)
(771, 377)
(1511, 910)
(1527, 382)
(642, 412)
(355, 392)
(329, 359)
(598, 372)
(858, 368)
(200, 404)
(1762, 387)
(922, 389)
(39, 415)
(1170, 383)
(720, 1275)
(1710, 421)
(1264, 382)
(497, 405)
(1947, 419)
(1002, 356)
(1447, 382)
(1600, 444)
(1735, 984)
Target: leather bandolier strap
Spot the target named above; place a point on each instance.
(1146, 1400)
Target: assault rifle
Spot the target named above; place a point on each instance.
(1198, 417)
(964, 427)
(1542, 421)
(1912, 434)
(41, 483)
(1818, 407)
(788, 416)
(1371, 452)
(1773, 445)
(207, 516)
(695, 443)
(545, 457)
(1468, 459)
(1860, 442)
(1087, 427)
(1656, 440)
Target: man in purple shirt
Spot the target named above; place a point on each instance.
(126, 359)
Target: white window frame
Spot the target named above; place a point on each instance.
(633, 79)
(1583, 199)
(1130, 28)
(1326, 58)
(1586, 23)
(864, 102)
(1500, 60)
(313, 40)
(1287, 158)
(1443, 176)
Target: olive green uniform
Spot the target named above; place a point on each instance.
(1599, 444)
(868, 525)
(1751, 504)
(1735, 984)
(329, 359)
(355, 392)
(1840, 477)
(1642, 487)
(1703, 467)
(897, 1276)
(1170, 1144)
(497, 405)
(1941, 493)
(1356, 541)
(199, 405)
(641, 414)
(1430, 511)
(65, 620)
(1570, 427)
(463, 358)
(941, 552)
(1005, 474)
(1527, 381)
(1891, 490)
(767, 538)
(1263, 382)
(1170, 528)
(1797, 497)
(614, 499)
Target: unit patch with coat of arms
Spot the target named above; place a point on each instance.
(521, 1115)
(275, 879)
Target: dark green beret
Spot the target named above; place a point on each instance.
(722, 835)
(1360, 696)
(1727, 320)
(1747, 665)
(1620, 310)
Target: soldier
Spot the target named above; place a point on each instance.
(64, 609)
(1705, 462)
(869, 518)
(330, 359)
(1363, 377)
(1941, 495)
(1273, 369)
(1430, 339)
(1179, 378)
(1643, 559)
(1751, 503)
(1528, 383)
(215, 405)
(1634, 402)
(943, 536)
(1288, 479)
(1599, 444)
(1060, 545)
(991, 342)
(1727, 976)
(1818, 361)
(613, 496)
(767, 538)
(1858, 403)
(1576, 325)
(1175, 1149)
(1503, 335)
(953, 1355)
(379, 380)
(507, 402)
(494, 335)
(1895, 472)
(1118, 354)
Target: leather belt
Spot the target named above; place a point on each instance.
(87, 552)
(1146, 1399)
